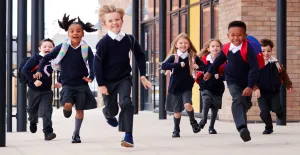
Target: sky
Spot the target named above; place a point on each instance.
(55, 9)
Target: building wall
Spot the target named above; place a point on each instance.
(260, 17)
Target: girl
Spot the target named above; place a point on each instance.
(74, 58)
(112, 68)
(211, 90)
(183, 61)
(39, 92)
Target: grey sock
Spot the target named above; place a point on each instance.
(78, 123)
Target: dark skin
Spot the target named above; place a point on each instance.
(236, 35)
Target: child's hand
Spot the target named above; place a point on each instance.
(291, 90)
(247, 91)
(57, 85)
(38, 83)
(217, 76)
(207, 76)
(103, 90)
(37, 75)
(147, 84)
(195, 66)
(87, 79)
(257, 93)
(182, 64)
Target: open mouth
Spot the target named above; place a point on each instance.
(75, 37)
(47, 52)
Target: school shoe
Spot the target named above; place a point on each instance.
(127, 141)
(111, 121)
(176, 134)
(50, 136)
(202, 124)
(245, 134)
(33, 127)
(195, 126)
(67, 113)
(212, 131)
(76, 139)
(267, 131)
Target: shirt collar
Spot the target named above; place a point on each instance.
(209, 58)
(41, 54)
(81, 43)
(270, 60)
(234, 48)
(115, 36)
(182, 55)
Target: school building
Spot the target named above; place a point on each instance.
(205, 19)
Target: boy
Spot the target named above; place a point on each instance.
(270, 78)
(112, 70)
(241, 76)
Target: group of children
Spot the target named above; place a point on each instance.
(111, 66)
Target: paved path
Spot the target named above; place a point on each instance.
(152, 137)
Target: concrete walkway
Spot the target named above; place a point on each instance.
(152, 137)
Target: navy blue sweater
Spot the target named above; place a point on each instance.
(216, 86)
(112, 62)
(46, 80)
(237, 71)
(181, 79)
(73, 68)
(269, 79)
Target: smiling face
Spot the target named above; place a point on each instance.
(267, 52)
(46, 47)
(113, 22)
(236, 35)
(75, 33)
(183, 45)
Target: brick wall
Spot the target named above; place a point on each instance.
(260, 17)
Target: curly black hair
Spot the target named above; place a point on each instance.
(66, 23)
(240, 24)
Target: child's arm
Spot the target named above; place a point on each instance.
(286, 79)
(140, 56)
(31, 63)
(98, 63)
(49, 57)
(220, 59)
(201, 65)
(90, 62)
(253, 70)
(169, 64)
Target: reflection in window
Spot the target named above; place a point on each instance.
(216, 20)
(206, 25)
(147, 9)
(156, 8)
(175, 4)
(174, 25)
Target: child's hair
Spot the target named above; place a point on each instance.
(240, 24)
(105, 9)
(66, 23)
(266, 42)
(204, 50)
(191, 50)
(46, 40)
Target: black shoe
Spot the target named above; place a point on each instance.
(267, 131)
(76, 139)
(245, 134)
(33, 127)
(195, 126)
(175, 134)
(202, 124)
(50, 136)
(212, 131)
(67, 113)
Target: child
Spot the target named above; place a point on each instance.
(39, 92)
(112, 69)
(182, 62)
(213, 89)
(74, 58)
(241, 76)
(270, 78)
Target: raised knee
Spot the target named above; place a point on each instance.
(68, 106)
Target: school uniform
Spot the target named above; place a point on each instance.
(112, 69)
(270, 78)
(181, 83)
(39, 96)
(211, 92)
(238, 75)
(73, 68)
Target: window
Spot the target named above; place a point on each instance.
(175, 4)
(174, 26)
(216, 21)
(183, 21)
(206, 24)
(147, 9)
